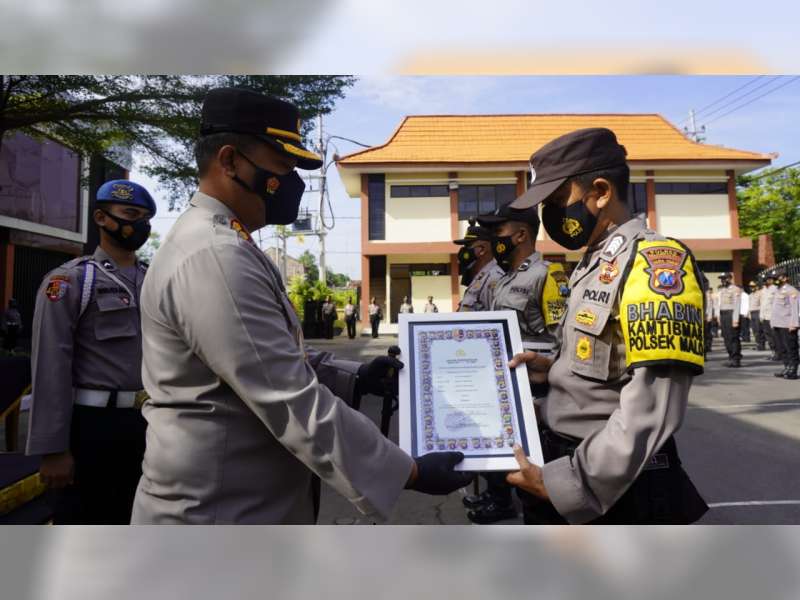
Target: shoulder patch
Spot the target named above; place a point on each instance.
(608, 271)
(662, 307)
(57, 287)
(613, 246)
(237, 226)
(554, 294)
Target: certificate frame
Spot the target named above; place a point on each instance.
(415, 333)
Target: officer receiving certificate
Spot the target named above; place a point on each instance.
(458, 393)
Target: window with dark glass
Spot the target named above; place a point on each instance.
(637, 198)
(481, 199)
(715, 266)
(691, 187)
(418, 191)
(376, 204)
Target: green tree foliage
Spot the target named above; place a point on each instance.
(151, 246)
(309, 262)
(769, 203)
(158, 116)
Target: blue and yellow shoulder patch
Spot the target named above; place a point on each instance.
(554, 294)
(662, 307)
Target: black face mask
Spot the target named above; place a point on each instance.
(281, 193)
(466, 261)
(502, 250)
(130, 235)
(569, 226)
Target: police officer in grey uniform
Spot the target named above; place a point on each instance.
(785, 322)
(767, 299)
(243, 417)
(523, 290)
(631, 342)
(730, 302)
(85, 419)
(478, 269)
(480, 273)
(756, 290)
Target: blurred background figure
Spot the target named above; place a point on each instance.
(350, 318)
(11, 325)
(329, 316)
(375, 316)
(430, 307)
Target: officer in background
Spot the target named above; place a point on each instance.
(478, 269)
(617, 393)
(480, 273)
(406, 308)
(11, 326)
(85, 419)
(756, 289)
(375, 316)
(350, 318)
(243, 414)
(430, 307)
(730, 302)
(744, 316)
(709, 314)
(767, 300)
(329, 317)
(536, 291)
(784, 324)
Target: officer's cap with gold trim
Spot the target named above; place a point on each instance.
(271, 119)
(474, 233)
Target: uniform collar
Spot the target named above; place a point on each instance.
(613, 242)
(102, 258)
(532, 259)
(209, 203)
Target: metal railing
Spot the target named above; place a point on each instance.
(791, 267)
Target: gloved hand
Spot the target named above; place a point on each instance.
(435, 474)
(372, 376)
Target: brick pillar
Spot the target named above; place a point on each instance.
(6, 273)
(650, 191)
(454, 289)
(766, 255)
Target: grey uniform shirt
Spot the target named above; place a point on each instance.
(100, 350)
(755, 301)
(767, 298)
(479, 292)
(622, 417)
(406, 308)
(240, 411)
(521, 291)
(730, 298)
(784, 307)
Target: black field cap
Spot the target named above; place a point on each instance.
(474, 233)
(581, 151)
(508, 213)
(271, 119)
(725, 276)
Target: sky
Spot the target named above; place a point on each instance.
(375, 105)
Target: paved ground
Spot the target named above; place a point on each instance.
(740, 443)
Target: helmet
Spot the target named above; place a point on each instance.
(122, 191)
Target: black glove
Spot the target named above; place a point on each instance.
(374, 376)
(435, 474)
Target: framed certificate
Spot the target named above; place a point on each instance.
(458, 393)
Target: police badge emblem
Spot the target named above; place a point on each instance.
(122, 191)
(608, 271)
(571, 227)
(56, 288)
(665, 266)
(273, 183)
(583, 349)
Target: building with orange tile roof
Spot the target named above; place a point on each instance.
(418, 189)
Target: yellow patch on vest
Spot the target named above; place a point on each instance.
(554, 294)
(585, 317)
(662, 307)
(583, 349)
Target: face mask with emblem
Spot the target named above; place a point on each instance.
(503, 250)
(569, 226)
(130, 235)
(281, 193)
(466, 260)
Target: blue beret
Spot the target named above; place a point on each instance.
(122, 191)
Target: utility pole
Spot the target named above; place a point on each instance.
(321, 226)
(697, 135)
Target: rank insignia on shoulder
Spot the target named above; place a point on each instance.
(241, 230)
(613, 246)
(220, 220)
(108, 265)
(608, 271)
(583, 348)
(585, 317)
(57, 288)
(524, 266)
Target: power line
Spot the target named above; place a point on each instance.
(775, 89)
(775, 172)
(718, 100)
(743, 96)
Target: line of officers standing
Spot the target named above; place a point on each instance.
(772, 311)
(183, 391)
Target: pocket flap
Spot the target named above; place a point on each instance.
(591, 319)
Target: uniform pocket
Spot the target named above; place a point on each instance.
(116, 318)
(595, 344)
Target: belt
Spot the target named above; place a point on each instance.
(110, 398)
(557, 445)
(539, 347)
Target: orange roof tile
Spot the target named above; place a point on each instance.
(513, 138)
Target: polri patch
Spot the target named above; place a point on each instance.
(608, 271)
(57, 288)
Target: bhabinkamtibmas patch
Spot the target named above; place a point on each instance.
(554, 294)
(661, 308)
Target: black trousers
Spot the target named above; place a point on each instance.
(730, 334)
(758, 331)
(769, 334)
(663, 496)
(786, 346)
(744, 328)
(10, 337)
(374, 323)
(707, 336)
(327, 327)
(351, 327)
(108, 447)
